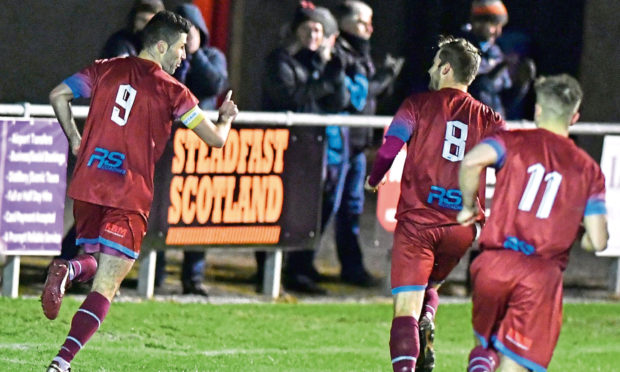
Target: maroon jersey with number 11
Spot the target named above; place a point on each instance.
(545, 186)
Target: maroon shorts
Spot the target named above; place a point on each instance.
(426, 255)
(113, 231)
(517, 305)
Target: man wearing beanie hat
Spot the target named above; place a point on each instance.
(493, 11)
(365, 82)
(301, 76)
(494, 85)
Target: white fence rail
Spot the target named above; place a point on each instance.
(27, 110)
(296, 119)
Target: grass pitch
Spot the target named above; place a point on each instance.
(163, 336)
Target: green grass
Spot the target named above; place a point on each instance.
(160, 336)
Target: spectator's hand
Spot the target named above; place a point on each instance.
(326, 50)
(526, 72)
(467, 216)
(334, 70)
(228, 110)
(394, 64)
(193, 40)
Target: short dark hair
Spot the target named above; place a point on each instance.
(558, 95)
(164, 25)
(463, 57)
(348, 8)
(140, 6)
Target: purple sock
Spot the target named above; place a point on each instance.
(404, 343)
(482, 360)
(84, 267)
(84, 324)
(431, 302)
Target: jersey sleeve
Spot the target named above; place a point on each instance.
(497, 124)
(184, 105)
(596, 198)
(82, 83)
(499, 145)
(403, 124)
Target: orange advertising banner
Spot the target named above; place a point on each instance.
(262, 188)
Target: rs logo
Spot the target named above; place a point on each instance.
(450, 199)
(518, 245)
(107, 160)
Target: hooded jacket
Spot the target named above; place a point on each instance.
(204, 72)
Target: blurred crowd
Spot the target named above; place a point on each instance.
(324, 64)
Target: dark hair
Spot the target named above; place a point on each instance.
(348, 8)
(558, 95)
(166, 26)
(463, 57)
(139, 6)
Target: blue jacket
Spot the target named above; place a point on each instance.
(493, 80)
(204, 72)
(365, 83)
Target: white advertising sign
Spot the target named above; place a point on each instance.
(610, 164)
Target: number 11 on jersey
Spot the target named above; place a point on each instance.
(553, 179)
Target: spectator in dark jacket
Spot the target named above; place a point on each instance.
(126, 42)
(302, 76)
(365, 83)
(494, 85)
(204, 72)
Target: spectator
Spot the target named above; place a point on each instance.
(495, 85)
(365, 83)
(126, 42)
(302, 76)
(204, 73)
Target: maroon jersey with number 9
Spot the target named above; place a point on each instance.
(133, 103)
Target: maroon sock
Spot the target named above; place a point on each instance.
(404, 343)
(84, 324)
(482, 360)
(431, 302)
(84, 267)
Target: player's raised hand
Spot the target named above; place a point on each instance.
(228, 110)
(467, 216)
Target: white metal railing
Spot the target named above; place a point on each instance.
(295, 119)
(274, 259)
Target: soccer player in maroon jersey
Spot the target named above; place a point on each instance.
(546, 187)
(438, 127)
(133, 102)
